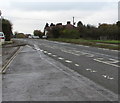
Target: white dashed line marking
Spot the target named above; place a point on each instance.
(88, 69)
(45, 51)
(77, 65)
(105, 76)
(93, 71)
(108, 77)
(54, 55)
(49, 53)
(60, 58)
(90, 55)
(68, 61)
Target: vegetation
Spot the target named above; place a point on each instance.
(96, 43)
(102, 32)
(38, 33)
(19, 35)
(72, 33)
(7, 29)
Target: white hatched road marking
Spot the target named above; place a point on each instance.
(109, 63)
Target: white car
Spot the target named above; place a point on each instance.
(44, 37)
(2, 37)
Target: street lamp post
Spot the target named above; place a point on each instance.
(0, 21)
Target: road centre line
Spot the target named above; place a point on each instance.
(45, 51)
(68, 61)
(60, 58)
(54, 55)
(93, 71)
(108, 77)
(88, 69)
(49, 53)
(77, 65)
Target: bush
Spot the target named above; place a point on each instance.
(70, 33)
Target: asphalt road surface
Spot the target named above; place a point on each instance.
(97, 65)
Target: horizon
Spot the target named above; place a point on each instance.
(29, 16)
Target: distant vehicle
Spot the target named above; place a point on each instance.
(44, 37)
(30, 37)
(2, 37)
(33, 37)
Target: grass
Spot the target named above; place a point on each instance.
(110, 44)
(107, 41)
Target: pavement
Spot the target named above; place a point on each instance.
(34, 76)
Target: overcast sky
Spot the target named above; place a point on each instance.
(29, 15)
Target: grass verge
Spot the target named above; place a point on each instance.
(109, 44)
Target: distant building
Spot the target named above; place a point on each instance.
(69, 25)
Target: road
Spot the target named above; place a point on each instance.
(31, 76)
(99, 65)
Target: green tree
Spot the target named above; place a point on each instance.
(118, 23)
(20, 35)
(38, 33)
(79, 24)
(7, 29)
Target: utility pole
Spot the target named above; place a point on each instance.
(73, 21)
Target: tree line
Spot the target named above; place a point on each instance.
(102, 32)
(7, 29)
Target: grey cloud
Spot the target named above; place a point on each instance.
(55, 6)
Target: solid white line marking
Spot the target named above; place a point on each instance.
(77, 65)
(68, 61)
(60, 58)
